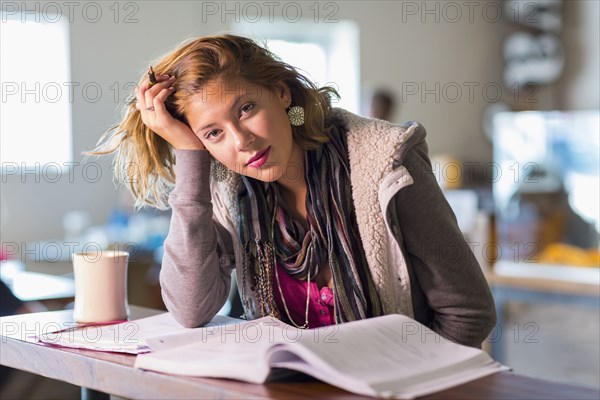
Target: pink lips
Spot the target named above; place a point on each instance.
(259, 159)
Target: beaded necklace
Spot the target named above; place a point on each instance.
(268, 260)
(287, 311)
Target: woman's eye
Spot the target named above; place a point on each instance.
(212, 134)
(248, 107)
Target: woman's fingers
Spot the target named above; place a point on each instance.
(143, 91)
(151, 103)
(158, 107)
(159, 100)
(151, 92)
(155, 98)
(145, 85)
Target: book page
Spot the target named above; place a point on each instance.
(385, 356)
(222, 351)
(207, 359)
(157, 340)
(389, 345)
(126, 337)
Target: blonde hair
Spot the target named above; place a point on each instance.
(145, 161)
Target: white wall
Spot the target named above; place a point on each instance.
(397, 49)
(400, 51)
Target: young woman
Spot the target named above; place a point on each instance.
(326, 216)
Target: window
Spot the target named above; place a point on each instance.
(35, 128)
(326, 53)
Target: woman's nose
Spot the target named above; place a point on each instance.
(243, 139)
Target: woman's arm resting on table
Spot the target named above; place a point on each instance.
(195, 284)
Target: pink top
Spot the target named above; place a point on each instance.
(320, 304)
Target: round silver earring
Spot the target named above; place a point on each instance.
(296, 115)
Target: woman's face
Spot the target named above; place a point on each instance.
(245, 127)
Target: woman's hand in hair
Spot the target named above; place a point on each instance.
(151, 103)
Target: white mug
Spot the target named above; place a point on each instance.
(100, 286)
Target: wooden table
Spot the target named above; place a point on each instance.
(114, 373)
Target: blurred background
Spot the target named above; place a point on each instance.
(508, 91)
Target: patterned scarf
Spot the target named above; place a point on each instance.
(270, 235)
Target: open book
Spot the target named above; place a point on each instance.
(391, 356)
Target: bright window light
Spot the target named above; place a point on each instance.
(35, 123)
(309, 58)
(327, 54)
